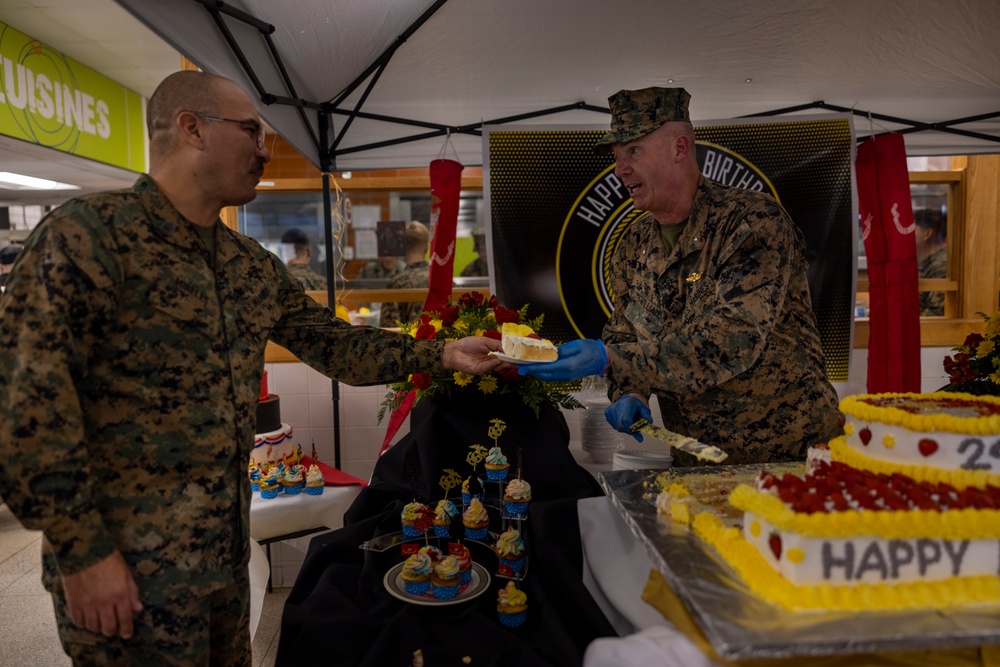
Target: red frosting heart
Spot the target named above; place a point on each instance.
(927, 446)
(866, 436)
(775, 543)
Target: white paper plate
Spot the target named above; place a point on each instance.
(397, 588)
(511, 360)
(638, 459)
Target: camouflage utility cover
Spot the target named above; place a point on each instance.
(722, 330)
(636, 113)
(130, 371)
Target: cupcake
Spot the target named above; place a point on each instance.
(416, 574)
(433, 553)
(472, 488)
(293, 480)
(476, 520)
(512, 606)
(255, 477)
(314, 481)
(269, 485)
(496, 465)
(445, 580)
(516, 497)
(444, 514)
(510, 549)
(410, 517)
(464, 559)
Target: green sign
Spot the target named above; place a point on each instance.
(52, 100)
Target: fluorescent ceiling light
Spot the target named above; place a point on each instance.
(12, 181)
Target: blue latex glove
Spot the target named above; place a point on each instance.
(577, 359)
(624, 412)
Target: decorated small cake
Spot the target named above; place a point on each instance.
(521, 342)
(444, 514)
(512, 606)
(446, 579)
(464, 560)
(906, 514)
(476, 520)
(314, 481)
(254, 473)
(411, 518)
(269, 485)
(510, 549)
(294, 480)
(274, 440)
(416, 573)
(516, 497)
(496, 465)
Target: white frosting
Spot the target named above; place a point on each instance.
(274, 446)
(870, 560)
(534, 349)
(900, 446)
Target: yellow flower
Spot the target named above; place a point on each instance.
(487, 384)
(985, 348)
(995, 377)
(437, 324)
(462, 379)
(460, 326)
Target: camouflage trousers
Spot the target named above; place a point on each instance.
(213, 630)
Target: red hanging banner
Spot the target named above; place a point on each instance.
(887, 229)
(446, 185)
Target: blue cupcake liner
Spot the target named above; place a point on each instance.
(411, 531)
(254, 487)
(417, 587)
(516, 509)
(442, 531)
(465, 576)
(268, 494)
(293, 490)
(497, 475)
(315, 490)
(467, 497)
(515, 565)
(512, 620)
(475, 533)
(444, 592)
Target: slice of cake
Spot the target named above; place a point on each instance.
(520, 342)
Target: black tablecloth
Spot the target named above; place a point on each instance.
(339, 612)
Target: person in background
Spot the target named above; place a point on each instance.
(932, 256)
(7, 256)
(383, 267)
(298, 265)
(478, 266)
(712, 310)
(132, 344)
(416, 274)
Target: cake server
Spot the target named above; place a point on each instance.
(681, 442)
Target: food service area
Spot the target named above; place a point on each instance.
(444, 332)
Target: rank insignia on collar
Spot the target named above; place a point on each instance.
(693, 278)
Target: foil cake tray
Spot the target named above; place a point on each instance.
(741, 625)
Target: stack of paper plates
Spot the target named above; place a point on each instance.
(638, 459)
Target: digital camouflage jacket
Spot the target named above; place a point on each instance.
(722, 330)
(130, 371)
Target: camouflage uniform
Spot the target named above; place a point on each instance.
(374, 269)
(130, 370)
(414, 275)
(310, 279)
(721, 329)
(935, 265)
(476, 267)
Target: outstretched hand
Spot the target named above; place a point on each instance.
(103, 597)
(471, 354)
(577, 359)
(625, 411)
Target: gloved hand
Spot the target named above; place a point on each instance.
(625, 411)
(577, 359)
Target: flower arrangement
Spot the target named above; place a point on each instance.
(474, 315)
(975, 367)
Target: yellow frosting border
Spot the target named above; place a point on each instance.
(842, 452)
(965, 524)
(766, 582)
(859, 409)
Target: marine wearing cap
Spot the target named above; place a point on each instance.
(636, 113)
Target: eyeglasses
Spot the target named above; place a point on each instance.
(252, 127)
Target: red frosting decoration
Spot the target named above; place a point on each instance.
(866, 436)
(263, 387)
(927, 446)
(775, 543)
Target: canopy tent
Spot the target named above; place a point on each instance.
(393, 77)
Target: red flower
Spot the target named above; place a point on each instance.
(421, 380)
(972, 341)
(426, 332)
(503, 315)
(493, 333)
(471, 300)
(509, 374)
(493, 301)
(449, 315)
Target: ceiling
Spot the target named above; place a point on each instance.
(106, 38)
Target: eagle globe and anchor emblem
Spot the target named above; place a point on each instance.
(598, 220)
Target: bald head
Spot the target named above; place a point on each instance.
(182, 91)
